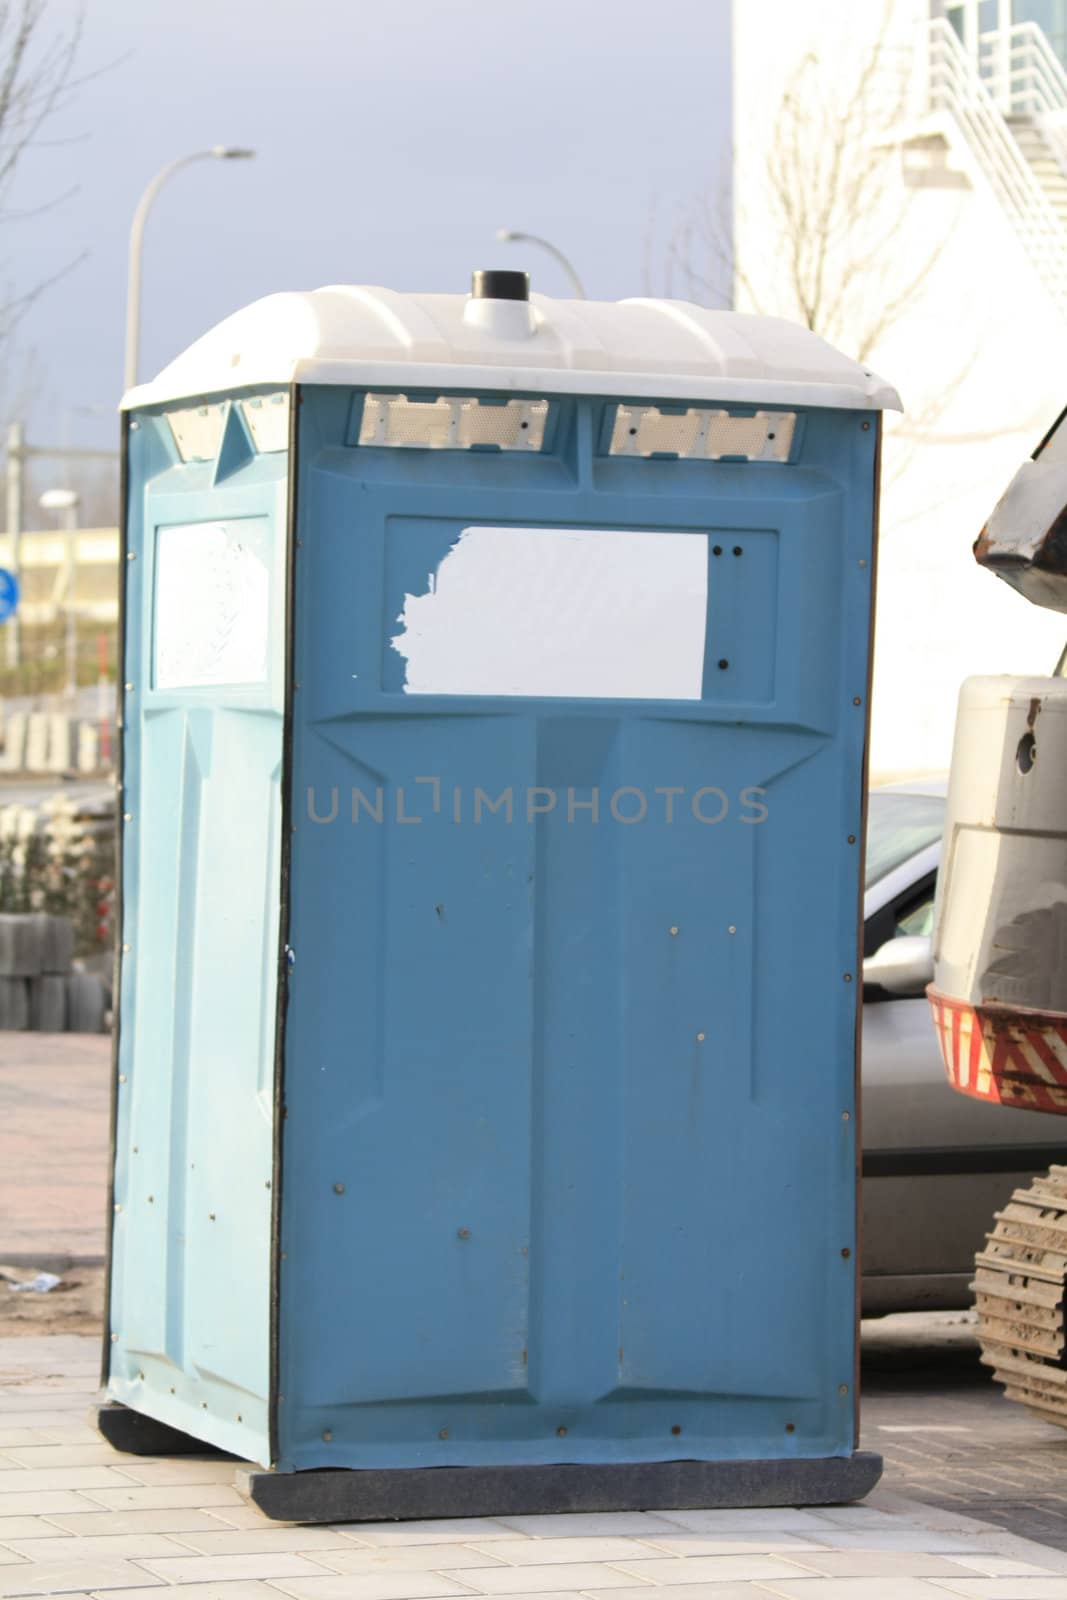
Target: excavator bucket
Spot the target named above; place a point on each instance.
(1025, 540)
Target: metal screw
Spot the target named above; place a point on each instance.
(866, 425)
(126, 949)
(327, 1434)
(131, 555)
(674, 933)
(338, 1188)
(463, 1233)
(852, 838)
(848, 977)
(172, 1389)
(842, 1388)
(863, 563)
(151, 1199)
(700, 1038)
(562, 1432)
(239, 1417)
(118, 1208)
(846, 1116)
(127, 816)
(845, 1253)
(856, 701)
(790, 1427)
(114, 1338)
(676, 1429)
(731, 929)
(122, 1077)
(127, 687)
(443, 1433)
(211, 1216)
(203, 1405)
(723, 664)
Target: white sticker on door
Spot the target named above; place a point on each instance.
(212, 603)
(582, 612)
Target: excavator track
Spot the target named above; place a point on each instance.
(1020, 1287)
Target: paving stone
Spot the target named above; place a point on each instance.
(92, 1523)
(247, 1590)
(30, 1480)
(239, 1541)
(538, 1552)
(171, 1498)
(913, 1538)
(461, 1530)
(27, 1527)
(374, 1586)
(55, 1578)
(61, 1501)
(246, 1516)
(734, 1544)
(999, 1567)
(591, 1524)
(876, 1564)
(404, 1558)
(182, 1472)
(809, 1524)
(215, 1569)
(124, 1546)
(65, 1455)
(860, 1589)
(1007, 1589)
(708, 1569)
(534, 1580)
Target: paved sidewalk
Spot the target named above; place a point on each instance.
(54, 1113)
(77, 1518)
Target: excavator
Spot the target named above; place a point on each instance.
(999, 993)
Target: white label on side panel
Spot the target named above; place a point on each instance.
(212, 604)
(554, 611)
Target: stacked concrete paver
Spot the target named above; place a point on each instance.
(39, 989)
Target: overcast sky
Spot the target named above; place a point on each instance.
(393, 139)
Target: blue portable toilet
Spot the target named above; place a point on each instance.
(495, 705)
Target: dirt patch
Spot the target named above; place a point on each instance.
(75, 1305)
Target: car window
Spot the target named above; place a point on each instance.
(898, 827)
(917, 919)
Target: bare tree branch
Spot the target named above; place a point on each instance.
(37, 79)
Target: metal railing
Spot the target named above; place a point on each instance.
(1026, 78)
(957, 88)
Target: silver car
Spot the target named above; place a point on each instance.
(936, 1164)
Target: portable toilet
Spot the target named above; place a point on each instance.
(495, 703)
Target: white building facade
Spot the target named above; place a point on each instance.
(900, 183)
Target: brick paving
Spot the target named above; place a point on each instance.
(79, 1519)
(54, 1112)
(948, 1436)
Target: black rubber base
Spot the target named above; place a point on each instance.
(138, 1435)
(405, 1493)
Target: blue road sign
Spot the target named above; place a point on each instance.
(9, 594)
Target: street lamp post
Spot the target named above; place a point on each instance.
(218, 152)
(513, 236)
